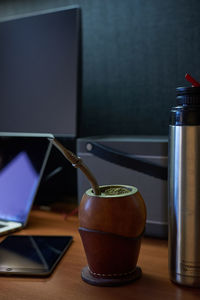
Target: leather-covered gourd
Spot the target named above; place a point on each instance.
(111, 227)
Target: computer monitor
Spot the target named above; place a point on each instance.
(40, 78)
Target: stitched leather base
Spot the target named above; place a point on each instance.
(126, 279)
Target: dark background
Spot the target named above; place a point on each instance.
(135, 53)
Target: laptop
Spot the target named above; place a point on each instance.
(23, 158)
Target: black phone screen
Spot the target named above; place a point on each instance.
(32, 255)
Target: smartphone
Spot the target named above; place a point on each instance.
(32, 255)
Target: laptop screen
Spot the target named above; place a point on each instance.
(22, 161)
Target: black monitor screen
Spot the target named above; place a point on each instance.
(39, 65)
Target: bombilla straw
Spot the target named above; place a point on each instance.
(78, 163)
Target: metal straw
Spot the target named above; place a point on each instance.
(78, 163)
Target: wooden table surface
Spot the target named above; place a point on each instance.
(66, 283)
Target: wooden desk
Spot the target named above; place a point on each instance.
(66, 283)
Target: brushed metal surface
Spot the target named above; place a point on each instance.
(184, 204)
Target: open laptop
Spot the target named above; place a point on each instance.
(22, 161)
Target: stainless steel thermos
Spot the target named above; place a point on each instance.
(184, 188)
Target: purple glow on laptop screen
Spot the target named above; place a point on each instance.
(18, 183)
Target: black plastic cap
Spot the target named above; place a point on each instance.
(188, 95)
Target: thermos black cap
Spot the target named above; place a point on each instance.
(187, 112)
(188, 95)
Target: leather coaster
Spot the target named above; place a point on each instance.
(87, 277)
